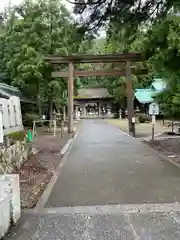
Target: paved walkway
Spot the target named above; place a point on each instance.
(106, 173)
(105, 166)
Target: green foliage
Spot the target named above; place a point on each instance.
(16, 136)
(92, 47)
(28, 119)
(162, 46)
(29, 31)
(33, 29)
(121, 12)
(143, 118)
(118, 43)
(159, 43)
(116, 87)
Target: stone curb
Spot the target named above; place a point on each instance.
(127, 134)
(115, 209)
(150, 137)
(45, 196)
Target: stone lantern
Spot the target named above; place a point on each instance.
(54, 115)
(109, 110)
(137, 109)
(58, 115)
(126, 113)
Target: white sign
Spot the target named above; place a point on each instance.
(153, 109)
(133, 119)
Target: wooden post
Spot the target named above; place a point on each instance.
(34, 126)
(130, 107)
(70, 96)
(64, 114)
(153, 126)
(99, 108)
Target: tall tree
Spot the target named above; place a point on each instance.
(95, 13)
(35, 29)
(162, 47)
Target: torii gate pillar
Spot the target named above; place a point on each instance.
(130, 104)
(70, 96)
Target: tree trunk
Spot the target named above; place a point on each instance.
(64, 113)
(38, 99)
(50, 109)
(38, 103)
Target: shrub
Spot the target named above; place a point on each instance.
(17, 136)
(28, 119)
(13, 137)
(144, 118)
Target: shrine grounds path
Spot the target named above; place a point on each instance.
(111, 187)
(105, 166)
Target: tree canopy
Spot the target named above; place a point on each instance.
(28, 32)
(93, 14)
(33, 29)
(162, 47)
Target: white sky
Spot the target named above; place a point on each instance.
(4, 3)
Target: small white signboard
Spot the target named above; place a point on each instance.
(154, 109)
(133, 119)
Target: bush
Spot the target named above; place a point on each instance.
(28, 119)
(144, 118)
(17, 136)
(12, 138)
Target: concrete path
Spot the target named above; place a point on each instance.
(105, 166)
(111, 187)
(100, 224)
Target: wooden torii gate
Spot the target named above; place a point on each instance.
(127, 59)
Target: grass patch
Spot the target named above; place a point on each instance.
(16, 136)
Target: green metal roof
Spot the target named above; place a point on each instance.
(158, 85)
(144, 95)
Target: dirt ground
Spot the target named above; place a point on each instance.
(170, 147)
(36, 173)
(143, 130)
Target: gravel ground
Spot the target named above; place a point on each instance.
(169, 147)
(36, 173)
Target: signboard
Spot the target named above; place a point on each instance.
(153, 109)
(133, 119)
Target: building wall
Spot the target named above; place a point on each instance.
(11, 114)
